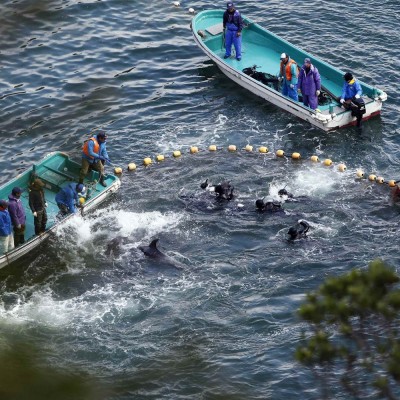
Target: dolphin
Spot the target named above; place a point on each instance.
(114, 246)
(153, 252)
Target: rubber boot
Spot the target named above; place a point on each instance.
(101, 181)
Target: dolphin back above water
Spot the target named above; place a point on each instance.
(153, 252)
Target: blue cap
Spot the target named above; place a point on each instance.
(79, 187)
(229, 5)
(307, 61)
(101, 135)
(16, 190)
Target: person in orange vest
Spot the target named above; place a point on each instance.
(288, 73)
(94, 156)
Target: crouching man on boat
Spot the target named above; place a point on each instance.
(17, 214)
(94, 156)
(289, 73)
(67, 198)
(351, 97)
(309, 84)
(37, 204)
(6, 233)
(233, 24)
(351, 89)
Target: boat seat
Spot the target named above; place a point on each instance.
(215, 29)
(54, 179)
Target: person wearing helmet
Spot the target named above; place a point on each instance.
(233, 25)
(67, 198)
(6, 232)
(94, 156)
(288, 74)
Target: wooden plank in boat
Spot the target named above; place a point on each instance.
(215, 29)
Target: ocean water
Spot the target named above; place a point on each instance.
(225, 326)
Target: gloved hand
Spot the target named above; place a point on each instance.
(318, 92)
(45, 204)
(35, 214)
(291, 86)
(238, 34)
(18, 226)
(280, 78)
(357, 96)
(342, 101)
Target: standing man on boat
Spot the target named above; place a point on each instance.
(94, 156)
(288, 73)
(17, 214)
(309, 84)
(6, 233)
(233, 26)
(37, 203)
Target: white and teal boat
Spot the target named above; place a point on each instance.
(260, 62)
(55, 170)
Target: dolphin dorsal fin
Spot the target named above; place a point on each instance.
(153, 244)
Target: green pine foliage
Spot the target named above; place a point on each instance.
(352, 339)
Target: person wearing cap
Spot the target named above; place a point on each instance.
(233, 25)
(309, 84)
(288, 73)
(17, 214)
(94, 156)
(37, 204)
(67, 198)
(6, 232)
(351, 89)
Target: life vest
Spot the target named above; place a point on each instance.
(288, 69)
(96, 147)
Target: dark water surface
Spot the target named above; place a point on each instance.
(226, 325)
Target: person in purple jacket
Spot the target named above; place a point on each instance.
(309, 84)
(17, 214)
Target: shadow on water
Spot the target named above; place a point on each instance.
(26, 374)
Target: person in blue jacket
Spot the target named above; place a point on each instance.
(67, 198)
(6, 231)
(351, 89)
(233, 25)
(94, 156)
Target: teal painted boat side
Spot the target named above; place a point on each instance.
(56, 170)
